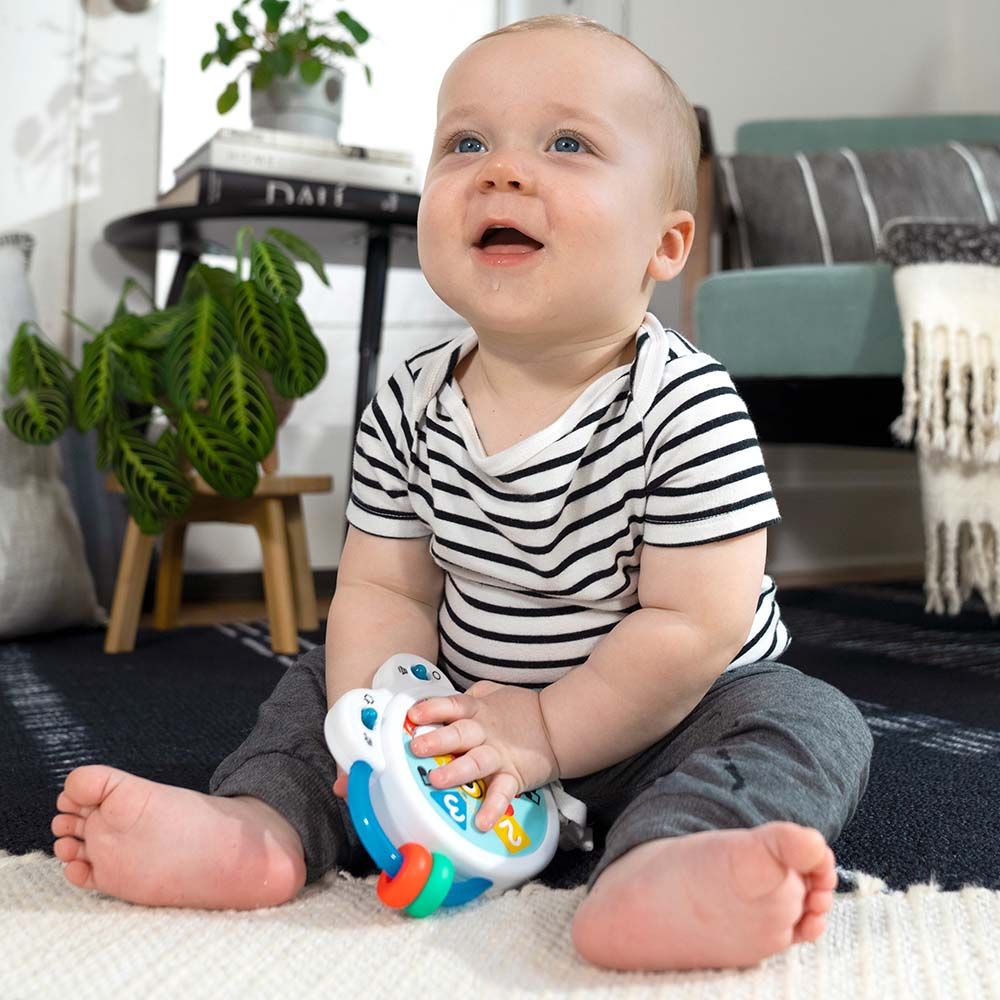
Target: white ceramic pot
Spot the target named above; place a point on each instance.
(293, 106)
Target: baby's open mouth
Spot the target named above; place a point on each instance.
(506, 240)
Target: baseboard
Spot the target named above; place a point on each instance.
(203, 587)
(833, 575)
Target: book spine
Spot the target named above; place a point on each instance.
(218, 186)
(281, 163)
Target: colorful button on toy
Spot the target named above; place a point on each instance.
(368, 717)
(419, 671)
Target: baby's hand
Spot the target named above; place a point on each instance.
(340, 785)
(500, 733)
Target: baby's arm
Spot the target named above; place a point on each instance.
(647, 674)
(386, 602)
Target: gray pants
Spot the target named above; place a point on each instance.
(767, 742)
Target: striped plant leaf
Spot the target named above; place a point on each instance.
(274, 270)
(303, 250)
(204, 280)
(39, 416)
(240, 403)
(134, 375)
(170, 444)
(159, 328)
(34, 364)
(148, 521)
(108, 431)
(149, 478)
(224, 462)
(126, 330)
(95, 386)
(258, 324)
(303, 363)
(202, 340)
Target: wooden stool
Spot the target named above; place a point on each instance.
(274, 510)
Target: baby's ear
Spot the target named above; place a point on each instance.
(675, 245)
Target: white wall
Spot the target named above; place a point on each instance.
(79, 124)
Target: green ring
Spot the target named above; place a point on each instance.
(435, 888)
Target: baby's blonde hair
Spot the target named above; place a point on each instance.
(683, 136)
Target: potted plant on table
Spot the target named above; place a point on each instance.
(216, 364)
(295, 81)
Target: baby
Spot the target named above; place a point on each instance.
(565, 508)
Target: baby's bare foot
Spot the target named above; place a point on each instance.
(717, 899)
(164, 846)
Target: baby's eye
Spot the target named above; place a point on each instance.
(566, 134)
(572, 138)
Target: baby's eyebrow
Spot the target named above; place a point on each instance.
(556, 107)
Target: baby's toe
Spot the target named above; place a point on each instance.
(90, 784)
(80, 873)
(67, 825)
(67, 804)
(801, 848)
(809, 928)
(70, 849)
(819, 901)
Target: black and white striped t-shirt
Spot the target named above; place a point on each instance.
(540, 543)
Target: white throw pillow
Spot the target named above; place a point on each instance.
(45, 582)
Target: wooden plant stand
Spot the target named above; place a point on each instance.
(275, 510)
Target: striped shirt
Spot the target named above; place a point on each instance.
(540, 543)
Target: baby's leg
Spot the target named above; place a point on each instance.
(721, 859)
(271, 824)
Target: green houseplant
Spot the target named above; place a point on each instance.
(288, 43)
(212, 363)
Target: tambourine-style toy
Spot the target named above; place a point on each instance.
(442, 859)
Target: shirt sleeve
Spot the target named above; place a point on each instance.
(705, 475)
(380, 501)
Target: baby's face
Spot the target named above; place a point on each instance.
(554, 130)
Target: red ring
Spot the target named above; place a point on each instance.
(408, 882)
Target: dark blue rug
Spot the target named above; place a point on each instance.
(928, 686)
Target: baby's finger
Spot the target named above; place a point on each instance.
(443, 709)
(340, 785)
(458, 737)
(499, 794)
(477, 763)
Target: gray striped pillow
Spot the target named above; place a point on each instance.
(830, 207)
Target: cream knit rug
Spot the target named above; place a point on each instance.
(337, 940)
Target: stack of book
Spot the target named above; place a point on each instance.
(272, 167)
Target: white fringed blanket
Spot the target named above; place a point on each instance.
(336, 940)
(950, 313)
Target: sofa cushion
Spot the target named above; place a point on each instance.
(930, 241)
(45, 582)
(831, 207)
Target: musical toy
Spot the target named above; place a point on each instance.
(424, 838)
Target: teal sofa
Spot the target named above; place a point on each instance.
(816, 350)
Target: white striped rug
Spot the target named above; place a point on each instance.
(336, 940)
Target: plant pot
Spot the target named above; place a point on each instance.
(293, 106)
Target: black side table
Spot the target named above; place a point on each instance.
(354, 227)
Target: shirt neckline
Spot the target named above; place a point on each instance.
(452, 399)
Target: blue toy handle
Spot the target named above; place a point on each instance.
(378, 845)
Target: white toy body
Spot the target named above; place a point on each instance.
(370, 724)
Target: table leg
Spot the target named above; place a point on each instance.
(370, 342)
(170, 576)
(133, 568)
(278, 591)
(302, 577)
